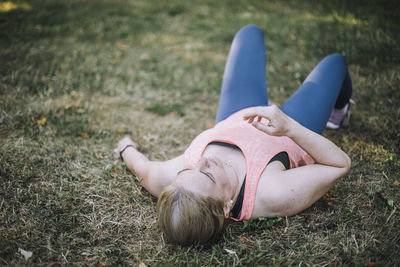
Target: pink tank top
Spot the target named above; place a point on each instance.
(257, 147)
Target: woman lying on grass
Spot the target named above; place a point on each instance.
(259, 160)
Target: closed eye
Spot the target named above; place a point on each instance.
(182, 171)
(209, 175)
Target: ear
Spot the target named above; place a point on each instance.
(227, 208)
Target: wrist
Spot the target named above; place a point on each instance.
(124, 149)
(293, 128)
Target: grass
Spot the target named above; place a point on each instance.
(76, 76)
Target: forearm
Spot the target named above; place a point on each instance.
(136, 162)
(154, 175)
(322, 150)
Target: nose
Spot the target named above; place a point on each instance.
(203, 163)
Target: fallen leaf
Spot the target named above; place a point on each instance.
(141, 264)
(114, 170)
(42, 121)
(17, 170)
(99, 155)
(396, 183)
(26, 254)
(244, 239)
(121, 46)
(330, 203)
(326, 195)
(232, 253)
(101, 264)
(368, 205)
(117, 55)
(72, 105)
(84, 135)
(74, 93)
(370, 264)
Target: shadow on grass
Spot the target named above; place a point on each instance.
(55, 174)
(367, 32)
(40, 36)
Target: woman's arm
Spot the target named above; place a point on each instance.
(318, 147)
(154, 175)
(289, 192)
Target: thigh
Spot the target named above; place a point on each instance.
(244, 82)
(312, 103)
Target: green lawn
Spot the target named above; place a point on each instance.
(76, 76)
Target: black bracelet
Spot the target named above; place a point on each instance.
(122, 150)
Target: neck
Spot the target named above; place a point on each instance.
(236, 166)
(235, 162)
(239, 178)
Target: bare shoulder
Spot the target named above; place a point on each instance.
(171, 167)
(162, 173)
(268, 196)
(288, 192)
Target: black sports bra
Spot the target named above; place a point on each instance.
(281, 156)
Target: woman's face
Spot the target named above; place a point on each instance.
(210, 177)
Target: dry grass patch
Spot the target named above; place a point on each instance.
(77, 76)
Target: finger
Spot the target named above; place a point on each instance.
(258, 111)
(252, 112)
(262, 127)
(249, 119)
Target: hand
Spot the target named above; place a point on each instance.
(276, 122)
(123, 143)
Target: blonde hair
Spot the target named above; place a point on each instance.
(187, 218)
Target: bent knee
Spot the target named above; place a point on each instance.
(249, 30)
(337, 57)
